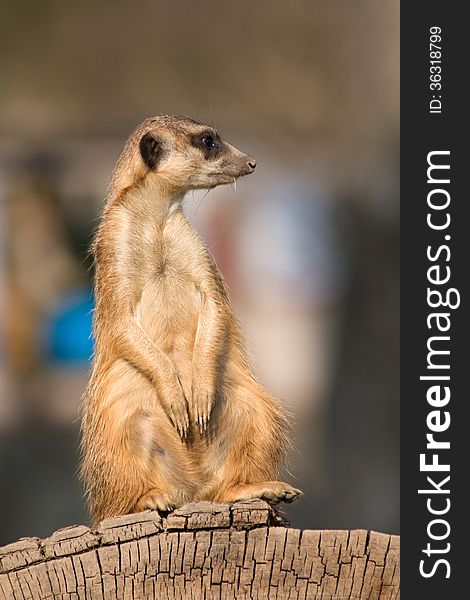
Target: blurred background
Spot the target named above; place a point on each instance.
(309, 245)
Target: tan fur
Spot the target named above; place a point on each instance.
(172, 412)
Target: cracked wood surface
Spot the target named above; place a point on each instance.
(202, 551)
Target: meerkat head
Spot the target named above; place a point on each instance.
(180, 153)
(190, 155)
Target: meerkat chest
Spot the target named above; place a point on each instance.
(169, 312)
(170, 301)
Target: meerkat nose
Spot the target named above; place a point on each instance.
(252, 164)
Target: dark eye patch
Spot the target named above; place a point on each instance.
(207, 141)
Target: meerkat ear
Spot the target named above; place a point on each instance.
(150, 150)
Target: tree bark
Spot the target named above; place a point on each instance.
(202, 551)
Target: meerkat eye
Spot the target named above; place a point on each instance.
(209, 141)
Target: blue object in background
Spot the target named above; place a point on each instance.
(67, 333)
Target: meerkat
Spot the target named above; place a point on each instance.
(172, 411)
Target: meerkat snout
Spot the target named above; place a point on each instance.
(252, 164)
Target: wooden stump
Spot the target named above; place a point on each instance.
(201, 551)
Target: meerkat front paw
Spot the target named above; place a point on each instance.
(177, 410)
(201, 406)
(155, 500)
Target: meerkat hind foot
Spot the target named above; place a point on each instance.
(155, 500)
(271, 491)
(278, 491)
